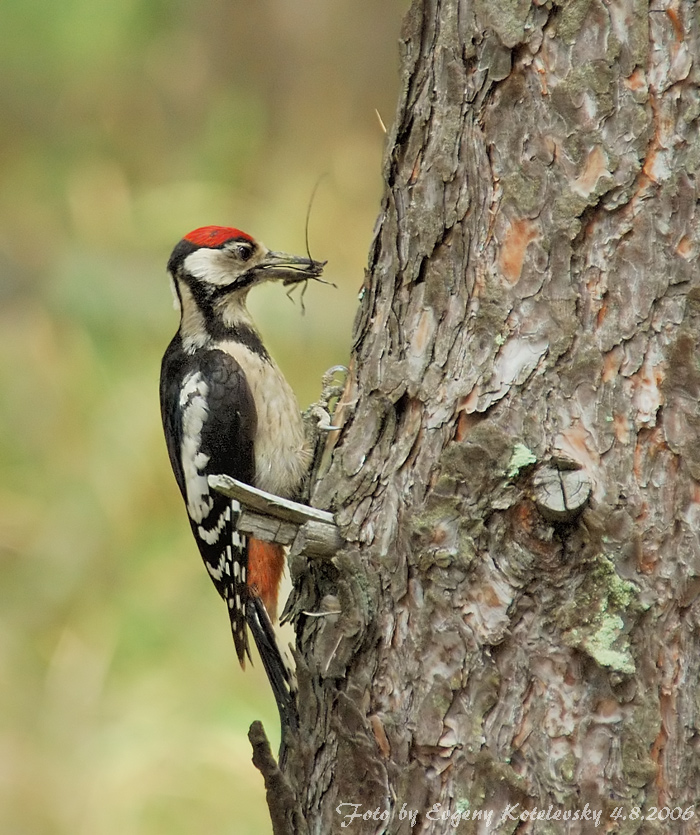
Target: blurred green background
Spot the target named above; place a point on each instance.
(124, 125)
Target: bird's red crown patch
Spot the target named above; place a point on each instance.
(213, 236)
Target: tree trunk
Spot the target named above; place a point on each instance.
(513, 625)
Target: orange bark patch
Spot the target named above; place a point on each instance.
(608, 710)
(602, 313)
(611, 364)
(519, 236)
(593, 170)
(265, 566)
(622, 428)
(524, 517)
(491, 597)
(467, 416)
(424, 331)
(685, 247)
(542, 74)
(675, 22)
(649, 163)
(463, 426)
(439, 535)
(526, 520)
(466, 421)
(636, 81)
(573, 441)
(380, 736)
(647, 562)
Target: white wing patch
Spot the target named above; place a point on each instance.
(212, 535)
(218, 572)
(193, 402)
(226, 560)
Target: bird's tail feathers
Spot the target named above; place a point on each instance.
(278, 669)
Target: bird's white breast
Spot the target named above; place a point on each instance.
(282, 454)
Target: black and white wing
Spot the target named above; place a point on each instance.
(209, 420)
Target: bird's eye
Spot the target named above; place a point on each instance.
(243, 251)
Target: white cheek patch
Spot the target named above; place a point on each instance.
(176, 299)
(210, 265)
(193, 401)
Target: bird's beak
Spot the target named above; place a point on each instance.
(290, 269)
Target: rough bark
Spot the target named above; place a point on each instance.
(531, 309)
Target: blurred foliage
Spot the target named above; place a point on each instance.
(126, 124)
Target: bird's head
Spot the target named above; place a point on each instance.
(222, 260)
(214, 267)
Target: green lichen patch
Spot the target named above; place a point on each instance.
(593, 621)
(522, 457)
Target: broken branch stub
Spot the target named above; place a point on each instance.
(274, 519)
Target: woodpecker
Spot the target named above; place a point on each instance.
(227, 409)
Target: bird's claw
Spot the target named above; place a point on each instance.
(331, 388)
(317, 414)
